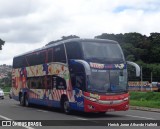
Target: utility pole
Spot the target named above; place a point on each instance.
(151, 81)
(141, 78)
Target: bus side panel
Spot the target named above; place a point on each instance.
(18, 82)
(78, 104)
(49, 103)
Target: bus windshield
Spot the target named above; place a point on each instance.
(107, 81)
(102, 52)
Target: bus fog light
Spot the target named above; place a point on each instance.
(90, 107)
(127, 106)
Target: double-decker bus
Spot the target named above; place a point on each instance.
(87, 75)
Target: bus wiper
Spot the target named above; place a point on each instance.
(96, 59)
(112, 60)
(105, 60)
(118, 91)
(93, 90)
(96, 91)
(93, 58)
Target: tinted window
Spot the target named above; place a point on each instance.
(73, 50)
(50, 55)
(40, 82)
(19, 62)
(108, 52)
(58, 82)
(59, 54)
(36, 58)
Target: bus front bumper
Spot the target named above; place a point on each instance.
(105, 106)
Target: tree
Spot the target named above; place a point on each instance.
(63, 38)
(69, 37)
(1, 43)
(141, 49)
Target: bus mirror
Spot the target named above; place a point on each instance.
(136, 66)
(86, 66)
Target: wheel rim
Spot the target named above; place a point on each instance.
(26, 101)
(21, 100)
(66, 106)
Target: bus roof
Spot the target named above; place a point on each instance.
(53, 43)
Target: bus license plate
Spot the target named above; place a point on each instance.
(111, 110)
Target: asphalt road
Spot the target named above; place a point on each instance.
(11, 110)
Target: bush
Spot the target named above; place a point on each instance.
(155, 96)
(6, 88)
(145, 99)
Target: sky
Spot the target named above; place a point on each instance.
(30, 24)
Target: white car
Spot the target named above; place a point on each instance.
(1, 94)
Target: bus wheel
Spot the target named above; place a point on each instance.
(26, 103)
(21, 100)
(65, 106)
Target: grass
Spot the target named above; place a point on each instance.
(6, 88)
(145, 99)
(150, 104)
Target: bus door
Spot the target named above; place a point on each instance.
(78, 80)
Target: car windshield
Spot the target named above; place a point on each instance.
(102, 52)
(107, 81)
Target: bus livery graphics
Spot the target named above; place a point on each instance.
(87, 75)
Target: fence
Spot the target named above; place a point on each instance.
(142, 86)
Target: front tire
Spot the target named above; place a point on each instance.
(65, 106)
(21, 100)
(26, 103)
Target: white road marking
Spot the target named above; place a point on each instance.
(6, 118)
(42, 111)
(79, 118)
(3, 117)
(14, 105)
(141, 117)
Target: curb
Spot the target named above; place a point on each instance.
(145, 109)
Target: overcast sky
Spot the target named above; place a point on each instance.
(29, 24)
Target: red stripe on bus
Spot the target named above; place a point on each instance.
(56, 95)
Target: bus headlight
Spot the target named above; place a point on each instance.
(126, 99)
(91, 99)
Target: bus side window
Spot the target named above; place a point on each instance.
(50, 55)
(74, 50)
(36, 58)
(33, 85)
(59, 54)
(59, 83)
(80, 81)
(49, 82)
(19, 62)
